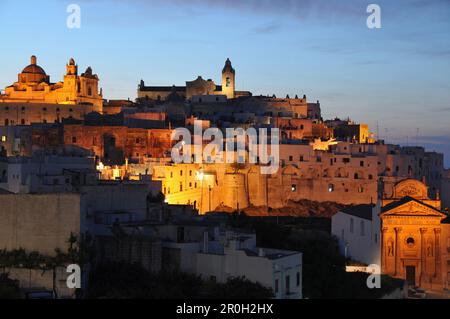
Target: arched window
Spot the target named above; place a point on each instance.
(410, 241)
(227, 82)
(89, 91)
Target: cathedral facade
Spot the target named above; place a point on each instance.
(407, 234)
(415, 243)
(34, 99)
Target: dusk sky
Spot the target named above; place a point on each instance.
(397, 76)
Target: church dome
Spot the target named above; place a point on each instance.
(33, 73)
(33, 68)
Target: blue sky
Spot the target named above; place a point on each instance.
(397, 76)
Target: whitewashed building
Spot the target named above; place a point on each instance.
(223, 254)
(357, 229)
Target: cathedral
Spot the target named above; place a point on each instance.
(196, 88)
(406, 233)
(412, 246)
(35, 99)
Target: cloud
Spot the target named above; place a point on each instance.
(267, 28)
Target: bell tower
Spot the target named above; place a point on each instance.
(228, 80)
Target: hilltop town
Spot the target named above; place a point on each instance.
(76, 165)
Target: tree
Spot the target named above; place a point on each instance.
(9, 288)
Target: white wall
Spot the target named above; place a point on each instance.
(361, 247)
(236, 263)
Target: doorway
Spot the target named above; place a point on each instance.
(411, 275)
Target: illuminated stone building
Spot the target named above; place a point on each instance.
(116, 144)
(34, 99)
(405, 233)
(197, 87)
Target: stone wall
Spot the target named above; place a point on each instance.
(38, 222)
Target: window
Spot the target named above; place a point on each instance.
(181, 187)
(301, 158)
(298, 279)
(363, 232)
(22, 121)
(276, 286)
(74, 139)
(346, 160)
(138, 140)
(293, 188)
(89, 91)
(361, 163)
(410, 241)
(181, 173)
(180, 234)
(3, 138)
(171, 174)
(356, 176)
(360, 189)
(190, 173)
(351, 225)
(291, 158)
(228, 82)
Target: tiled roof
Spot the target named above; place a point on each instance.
(362, 211)
(405, 200)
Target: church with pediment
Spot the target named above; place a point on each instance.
(406, 233)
